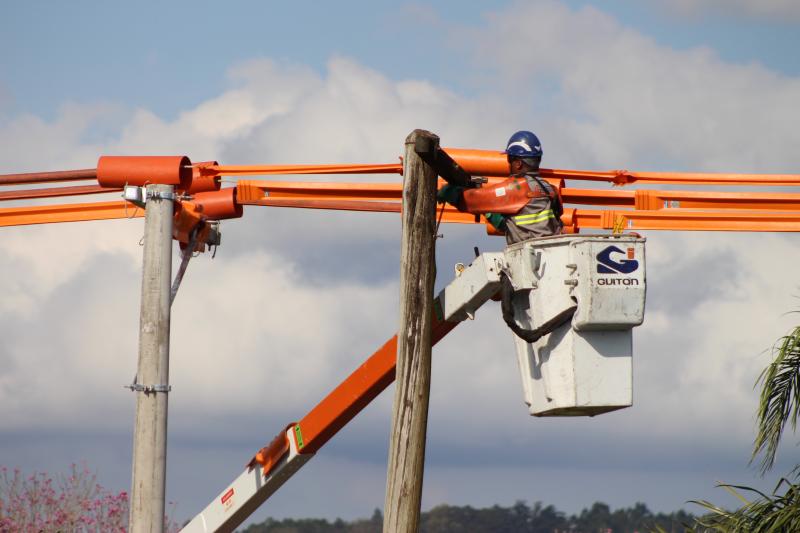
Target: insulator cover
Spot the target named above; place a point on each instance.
(201, 182)
(218, 205)
(141, 170)
(480, 162)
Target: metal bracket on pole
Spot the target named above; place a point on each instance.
(139, 195)
(147, 389)
(160, 195)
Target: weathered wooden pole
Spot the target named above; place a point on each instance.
(417, 273)
(152, 378)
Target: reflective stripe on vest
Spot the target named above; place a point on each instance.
(533, 218)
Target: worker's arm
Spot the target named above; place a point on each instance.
(504, 198)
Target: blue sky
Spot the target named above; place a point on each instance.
(664, 85)
(167, 57)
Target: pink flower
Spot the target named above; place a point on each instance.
(75, 502)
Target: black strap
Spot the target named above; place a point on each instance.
(555, 199)
(528, 335)
(427, 147)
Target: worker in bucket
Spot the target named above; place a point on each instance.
(524, 206)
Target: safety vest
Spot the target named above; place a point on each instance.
(540, 217)
(530, 207)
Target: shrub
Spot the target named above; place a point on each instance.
(75, 502)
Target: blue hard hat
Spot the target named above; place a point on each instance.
(524, 144)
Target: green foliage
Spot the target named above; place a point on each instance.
(519, 518)
(780, 398)
(766, 513)
(779, 403)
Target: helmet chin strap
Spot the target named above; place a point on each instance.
(532, 163)
(531, 166)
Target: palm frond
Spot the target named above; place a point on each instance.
(773, 513)
(780, 398)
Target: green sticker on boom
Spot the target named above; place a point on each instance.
(437, 310)
(299, 436)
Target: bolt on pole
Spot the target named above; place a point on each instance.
(151, 386)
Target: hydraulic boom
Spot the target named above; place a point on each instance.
(274, 464)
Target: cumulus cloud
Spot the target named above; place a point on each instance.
(295, 300)
(621, 99)
(322, 282)
(31, 143)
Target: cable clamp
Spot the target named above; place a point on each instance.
(147, 389)
(158, 195)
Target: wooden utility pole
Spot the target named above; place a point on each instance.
(152, 379)
(417, 273)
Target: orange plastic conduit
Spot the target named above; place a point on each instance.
(53, 192)
(493, 164)
(202, 182)
(665, 219)
(574, 219)
(263, 170)
(624, 177)
(48, 177)
(652, 200)
(682, 220)
(116, 171)
(254, 191)
(451, 214)
(480, 162)
(121, 170)
(21, 216)
(218, 205)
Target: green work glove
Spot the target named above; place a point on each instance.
(495, 219)
(450, 194)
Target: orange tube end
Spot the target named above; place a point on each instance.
(118, 171)
(480, 162)
(218, 205)
(202, 182)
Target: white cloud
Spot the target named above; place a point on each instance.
(265, 310)
(621, 99)
(38, 260)
(357, 114)
(261, 90)
(31, 144)
(705, 362)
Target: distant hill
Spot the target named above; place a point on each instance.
(519, 518)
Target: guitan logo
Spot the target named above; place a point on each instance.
(607, 265)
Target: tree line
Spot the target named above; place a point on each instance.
(519, 518)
